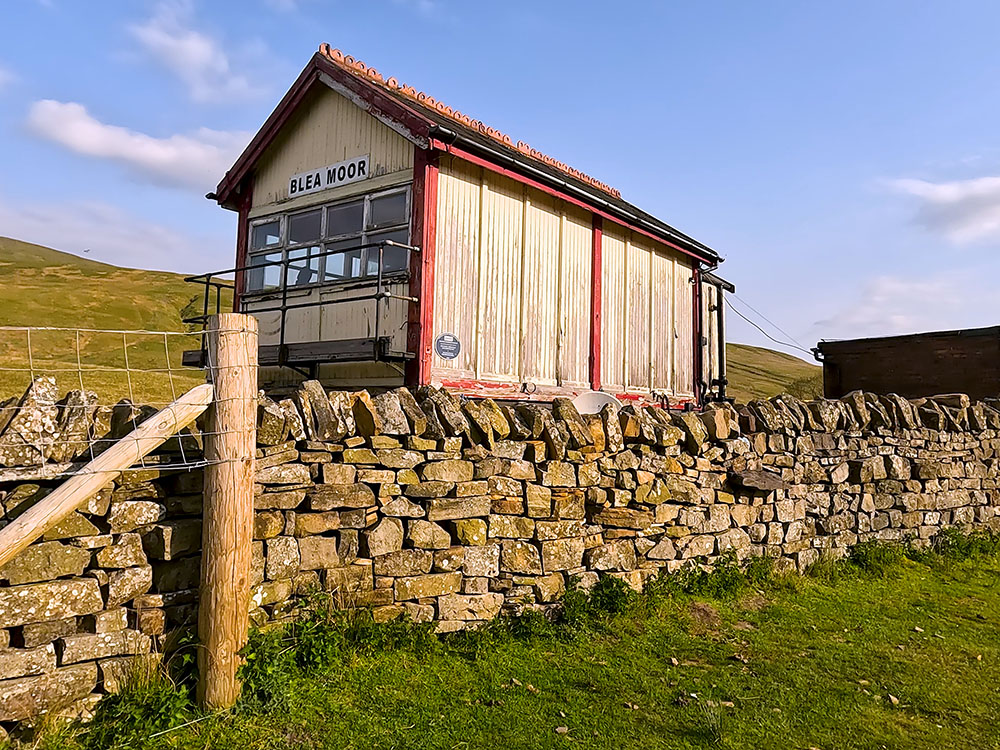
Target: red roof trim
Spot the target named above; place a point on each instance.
(359, 69)
(379, 105)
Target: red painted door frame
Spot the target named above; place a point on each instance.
(420, 320)
(242, 241)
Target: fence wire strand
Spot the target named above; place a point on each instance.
(107, 383)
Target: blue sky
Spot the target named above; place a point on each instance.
(843, 157)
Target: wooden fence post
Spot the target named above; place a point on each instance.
(227, 516)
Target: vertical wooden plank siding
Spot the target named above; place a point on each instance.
(575, 298)
(637, 327)
(662, 328)
(500, 271)
(596, 306)
(613, 309)
(683, 331)
(541, 257)
(456, 278)
(540, 293)
(328, 128)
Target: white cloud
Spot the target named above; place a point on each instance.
(963, 211)
(197, 160)
(106, 233)
(6, 77)
(890, 305)
(199, 60)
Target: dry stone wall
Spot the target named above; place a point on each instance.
(419, 504)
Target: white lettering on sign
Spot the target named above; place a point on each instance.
(324, 178)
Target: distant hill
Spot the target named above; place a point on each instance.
(755, 372)
(40, 286)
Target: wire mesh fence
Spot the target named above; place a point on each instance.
(68, 394)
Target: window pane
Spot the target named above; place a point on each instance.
(387, 211)
(304, 227)
(347, 218)
(345, 265)
(303, 266)
(263, 276)
(264, 235)
(393, 258)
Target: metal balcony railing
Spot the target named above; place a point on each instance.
(256, 301)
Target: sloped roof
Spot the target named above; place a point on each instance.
(426, 118)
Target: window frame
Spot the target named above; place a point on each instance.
(284, 246)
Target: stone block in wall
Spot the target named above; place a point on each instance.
(449, 470)
(470, 531)
(568, 504)
(427, 535)
(407, 562)
(17, 662)
(616, 555)
(511, 527)
(482, 561)
(269, 523)
(124, 585)
(126, 552)
(426, 586)
(39, 633)
(428, 489)
(664, 549)
(448, 560)
(538, 500)
(309, 524)
(400, 507)
(623, 518)
(733, 540)
(129, 515)
(548, 530)
(45, 561)
(92, 646)
(697, 545)
(29, 697)
(317, 553)
(520, 557)
(558, 474)
(469, 607)
(53, 600)
(384, 537)
(109, 621)
(282, 557)
(562, 554)
(338, 496)
(452, 508)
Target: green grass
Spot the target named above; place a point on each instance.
(882, 650)
(755, 372)
(42, 287)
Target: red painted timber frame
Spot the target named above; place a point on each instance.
(596, 302)
(242, 242)
(420, 321)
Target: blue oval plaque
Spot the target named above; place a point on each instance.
(447, 346)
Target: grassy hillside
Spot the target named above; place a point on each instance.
(755, 372)
(44, 287)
